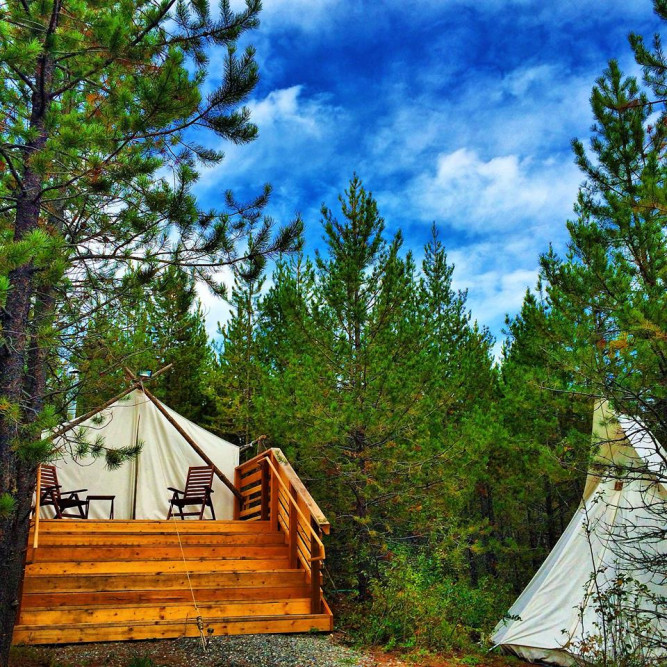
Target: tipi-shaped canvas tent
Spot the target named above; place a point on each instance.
(556, 615)
(140, 485)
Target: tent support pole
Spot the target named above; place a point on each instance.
(193, 444)
(136, 470)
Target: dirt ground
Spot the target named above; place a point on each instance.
(245, 651)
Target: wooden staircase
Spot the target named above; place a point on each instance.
(125, 580)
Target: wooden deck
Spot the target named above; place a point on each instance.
(124, 580)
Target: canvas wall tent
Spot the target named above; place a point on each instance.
(557, 613)
(140, 485)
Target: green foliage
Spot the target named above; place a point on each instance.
(353, 377)
(141, 661)
(236, 380)
(7, 505)
(149, 329)
(418, 604)
(610, 288)
(541, 463)
(624, 634)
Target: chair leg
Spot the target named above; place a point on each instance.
(84, 515)
(203, 507)
(210, 504)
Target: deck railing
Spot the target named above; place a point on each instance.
(272, 491)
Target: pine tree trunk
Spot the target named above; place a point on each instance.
(551, 519)
(14, 539)
(17, 477)
(486, 502)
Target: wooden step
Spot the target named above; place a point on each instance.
(63, 634)
(146, 526)
(157, 567)
(52, 539)
(212, 578)
(161, 612)
(125, 580)
(64, 554)
(161, 595)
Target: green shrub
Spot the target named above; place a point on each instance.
(417, 605)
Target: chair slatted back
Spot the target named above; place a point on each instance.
(49, 478)
(200, 479)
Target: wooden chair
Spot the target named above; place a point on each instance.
(197, 492)
(50, 494)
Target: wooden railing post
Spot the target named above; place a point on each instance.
(266, 472)
(275, 504)
(237, 501)
(38, 497)
(293, 529)
(315, 571)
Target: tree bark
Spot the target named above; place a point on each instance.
(17, 475)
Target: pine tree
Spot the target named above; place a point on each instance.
(360, 369)
(160, 325)
(546, 449)
(611, 284)
(235, 382)
(95, 98)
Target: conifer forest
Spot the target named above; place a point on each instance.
(448, 458)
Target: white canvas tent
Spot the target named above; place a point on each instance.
(556, 614)
(140, 485)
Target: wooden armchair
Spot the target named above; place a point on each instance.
(197, 492)
(50, 494)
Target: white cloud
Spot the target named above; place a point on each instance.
(216, 309)
(292, 127)
(284, 107)
(480, 195)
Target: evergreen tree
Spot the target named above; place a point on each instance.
(546, 448)
(155, 327)
(611, 284)
(361, 376)
(95, 98)
(235, 382)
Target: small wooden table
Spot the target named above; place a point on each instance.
(110, 498)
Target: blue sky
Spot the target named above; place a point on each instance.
(450, 111)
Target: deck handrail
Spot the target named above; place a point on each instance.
(38, 498)
(273, 492)
(302, 491)
(292, 499)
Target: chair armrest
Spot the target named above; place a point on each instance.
(171, 488)
(76, 491)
